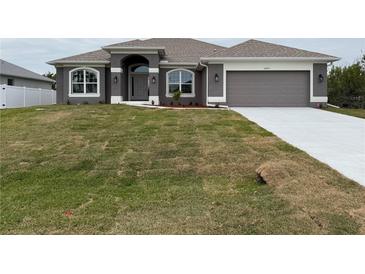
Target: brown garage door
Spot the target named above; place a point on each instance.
(267, 88)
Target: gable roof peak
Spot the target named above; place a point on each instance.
(253, 48)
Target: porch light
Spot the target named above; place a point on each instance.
(153, 80)
(216, 77)
(115, 79)
(320, 78)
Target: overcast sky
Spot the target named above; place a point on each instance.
(34, 53)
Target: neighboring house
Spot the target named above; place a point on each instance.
(13, 75)
(253, 73)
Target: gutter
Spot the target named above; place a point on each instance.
(207, 82)
(222, 59)
(55, 62)
(132, 48)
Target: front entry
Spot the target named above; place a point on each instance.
(139, 87)
(138, 83)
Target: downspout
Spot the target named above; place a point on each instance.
(207, 82)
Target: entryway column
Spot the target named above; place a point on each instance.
(153, 85)
(116, 85)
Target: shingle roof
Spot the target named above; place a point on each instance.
(180, 50)
(176, 49)
(10, 69)
(92, 56)
(255, 48)
(186, 50)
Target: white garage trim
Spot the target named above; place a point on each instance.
(268, 66)
(216, 99)
(319, 99)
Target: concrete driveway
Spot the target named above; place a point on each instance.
(335, 139)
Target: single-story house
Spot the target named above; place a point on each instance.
(13, 75)
(253, 73)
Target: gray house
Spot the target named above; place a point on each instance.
(13, 75)
(253, 73)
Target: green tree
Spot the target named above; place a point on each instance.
(52, 76)
(346, 85)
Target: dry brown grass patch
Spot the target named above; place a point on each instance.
(54, 116)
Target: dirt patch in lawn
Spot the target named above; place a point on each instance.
(53, 116)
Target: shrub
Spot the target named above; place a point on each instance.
(177, 95)
(346, 85)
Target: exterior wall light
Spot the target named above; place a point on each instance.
(115, 79)
(216, 77)
(320, 78)
(153, 80)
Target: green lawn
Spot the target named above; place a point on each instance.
(113, 169)
(357, 112)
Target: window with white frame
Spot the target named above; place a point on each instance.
(180, 80)
(84, 82)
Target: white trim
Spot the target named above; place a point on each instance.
(75, 65)
(133, 52)
(206, 82)
(163, 63)
(319, 99)
(183, 95)
(224, 83)
(174, 66)
(116, 99)
(219, 99)
(132, 48)
(97, 94)
(156, 99)
(270, 59)
(117, 70)
(77, 62)
(82, 95)
(153, 70)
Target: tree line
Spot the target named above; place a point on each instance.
(346, 85)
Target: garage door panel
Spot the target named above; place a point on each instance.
(274, 88)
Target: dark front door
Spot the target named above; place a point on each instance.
(139, 87)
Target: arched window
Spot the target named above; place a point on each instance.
(140, 68)
(180, 80)
(84, 82)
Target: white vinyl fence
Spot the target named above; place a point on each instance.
(19, 97)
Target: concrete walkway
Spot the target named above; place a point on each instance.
(335, 139)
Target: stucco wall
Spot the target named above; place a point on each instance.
(199, 97)
(60, 86)
(63, 87)
(215, 88)
(25, 82)
(319, 88)
(121, 61)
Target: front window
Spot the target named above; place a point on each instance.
(140, 68)
(10, 82)
(84, 82)
(180, 80)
